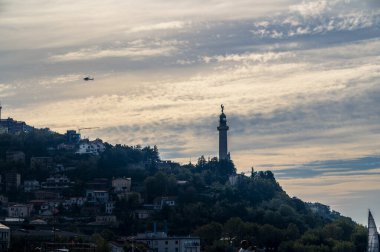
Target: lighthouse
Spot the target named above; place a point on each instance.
(223, 128)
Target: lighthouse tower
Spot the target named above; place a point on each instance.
(222, 128)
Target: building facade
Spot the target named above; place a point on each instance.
(121, 185)
(31, 185)
(19, 211)
(12, 181)
(5, 237)
(160, 242)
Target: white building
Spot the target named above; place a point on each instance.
(78, 201)
(49, 208)
(19, 211)
(91, 147)
(31, 185)
(58, 182)
(121, 185)
(97, 196)
(160, 202)
(143, 214)
(5, 237)
(109, 207)
(160, 242)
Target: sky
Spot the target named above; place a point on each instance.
(299, 81)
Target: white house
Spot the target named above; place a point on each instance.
(31, 185)
(5, 237)
(143, 214)
(91, 147)
(160, 242)
(19, 211)
(121, 185)
(79, 201)
(109, 207)
(57, 182)
(97, 196)
(160, 202)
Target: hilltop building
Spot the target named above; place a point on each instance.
(11, 126)
(223, 128)
(14, 127)
(72, 137)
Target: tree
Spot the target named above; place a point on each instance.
(209, 232)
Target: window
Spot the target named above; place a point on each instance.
(166, 242)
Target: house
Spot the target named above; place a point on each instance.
(166, 164)
(90, 147)
(161, 242)
(116, 246)
(128, 195)
(45, 195)
(121, 185)
(15, 127)
(3, 130)
(143, 214)
(20, 210)
(72, 136)
(49, 208)
(41, 163)
(12, 181)
(109, 207)
(97, 196)
(98, 145)
(56, 183)
(160, 202)
(66, 147)
(3, 199)
(98, 184)
(74, 201)
(106, 219)
(15, 157)
(31, 185)
(5, 237)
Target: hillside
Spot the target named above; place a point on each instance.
(210, 199)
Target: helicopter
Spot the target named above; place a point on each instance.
(88, 78)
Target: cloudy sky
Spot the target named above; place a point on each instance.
(299, 81)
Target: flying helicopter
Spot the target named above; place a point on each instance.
(88, 78)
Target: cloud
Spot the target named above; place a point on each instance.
(59, 80)
(312, 8)
(160, 26)
(317, 17)
(6, 90)
(252, 57)
(136, 53)
(350, 167)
